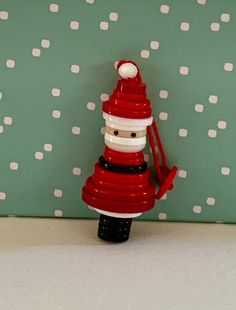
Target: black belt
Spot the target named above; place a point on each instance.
(122, 169)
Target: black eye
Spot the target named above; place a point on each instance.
(133, 134)
(116, 132)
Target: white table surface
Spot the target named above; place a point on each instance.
(60, 264)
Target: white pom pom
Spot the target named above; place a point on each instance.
(127, 70)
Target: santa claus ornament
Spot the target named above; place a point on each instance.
(120, 188)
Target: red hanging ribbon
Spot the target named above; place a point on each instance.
(165, 176)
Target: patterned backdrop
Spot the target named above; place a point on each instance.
(57, 66)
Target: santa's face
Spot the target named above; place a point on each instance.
(125, 135)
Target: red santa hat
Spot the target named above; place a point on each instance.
(129, 99)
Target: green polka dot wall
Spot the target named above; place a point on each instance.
(57, 66)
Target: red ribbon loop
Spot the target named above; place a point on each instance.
(165, 176)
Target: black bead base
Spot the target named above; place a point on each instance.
(114, 229)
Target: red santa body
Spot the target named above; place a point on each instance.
(120, 187)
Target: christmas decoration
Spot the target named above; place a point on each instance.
(120, 188)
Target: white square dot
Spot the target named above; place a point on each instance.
(116, 64)
(14, 165)
(156, 149)
(183, 132)
(75, 130)
(225, 17)
(211, 201)
(7, 120)
(228, 66)
(36, 52)
(163, 94)
(76, 171)
(146, 157)
(113, 16)
(164, 9)
(58, 193)
(199, 107)
(184, 70)
(45, 43)
(144, 53)
(47, 147)
(91, 106)
(102, 130)
(3, 196)
(225, 170)
(1, 129)
(1, 95)
(75, 69)
(184, 26)
(215, 26)
(182, 174)
(213, 99)
(222, 124)
(56, 113)
(104, 25)
(56, 92)
(10, 63)
(38, 155)
(104, 97)
(197, 209)
(4, 15)
(162, 216)
(58, 213)
(74, 25)
(164, 197)
(202, 2)
(54, 8)
(154, 45)
(90, 1)
(212, 133)
(163, 116)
